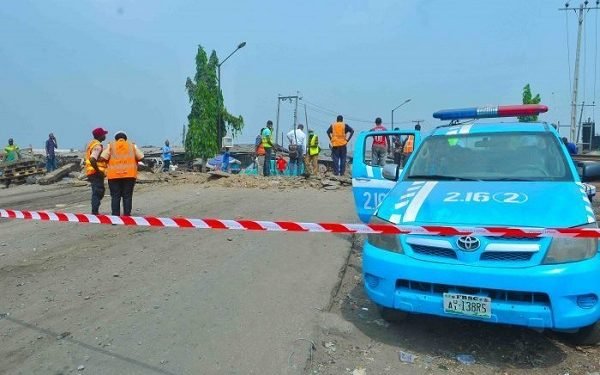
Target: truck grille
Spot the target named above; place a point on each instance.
(434, 251)
(506, 256)
(494, 294)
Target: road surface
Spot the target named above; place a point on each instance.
(116, 300)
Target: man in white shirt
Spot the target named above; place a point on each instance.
(297, 140)
(297, 147)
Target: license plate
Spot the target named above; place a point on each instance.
(468, 305)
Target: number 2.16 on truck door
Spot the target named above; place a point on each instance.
(376, 153)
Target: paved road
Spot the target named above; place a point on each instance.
(143, 300)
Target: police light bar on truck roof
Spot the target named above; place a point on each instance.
(491, 112)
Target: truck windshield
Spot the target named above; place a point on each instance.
(517, 156)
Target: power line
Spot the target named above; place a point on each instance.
(332, 112)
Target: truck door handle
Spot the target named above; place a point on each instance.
(363, 179)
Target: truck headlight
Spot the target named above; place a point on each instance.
(387, 242)
(566, 250)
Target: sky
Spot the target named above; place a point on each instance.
(68, 66)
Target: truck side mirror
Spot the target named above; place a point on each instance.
(390, 172)
(588, 171)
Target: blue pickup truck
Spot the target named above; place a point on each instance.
(474, 173)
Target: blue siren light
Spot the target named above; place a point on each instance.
(491, 112)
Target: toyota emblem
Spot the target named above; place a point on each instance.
(468, 243)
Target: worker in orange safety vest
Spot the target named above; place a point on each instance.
(95, 168)
(409, 145)
(122, 157)
(339, 138)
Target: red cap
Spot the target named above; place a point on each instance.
(98, 132)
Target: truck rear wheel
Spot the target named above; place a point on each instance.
(392, 315)
(589, 335)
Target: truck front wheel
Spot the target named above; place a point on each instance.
(392, 315)
(589, 335)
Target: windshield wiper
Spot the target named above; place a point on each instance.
(508, 179)
(439, 177)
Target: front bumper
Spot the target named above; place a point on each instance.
(550, 296)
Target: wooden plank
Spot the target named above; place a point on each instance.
(58, 174)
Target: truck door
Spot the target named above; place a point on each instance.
(368, 185)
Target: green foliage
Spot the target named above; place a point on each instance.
(206, 102)
(528, 98)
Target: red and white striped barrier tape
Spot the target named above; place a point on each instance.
(291, 226)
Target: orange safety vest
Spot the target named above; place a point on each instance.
(409, 145)
(89, 170)
(122, 163)
(338, 134)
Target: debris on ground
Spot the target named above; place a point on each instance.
(406, 357)
(465, 359)
(17, 172)
(219, 174)
(58, 174)
(63, 335)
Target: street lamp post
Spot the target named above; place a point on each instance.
(219, 112)
(403, 103)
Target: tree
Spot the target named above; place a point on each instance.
(206, 103)
(528, 99)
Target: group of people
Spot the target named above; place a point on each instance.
(12, 152)
(118, 163)
(303, 151)
(382, 145)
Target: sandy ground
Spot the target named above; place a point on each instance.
(119, 300)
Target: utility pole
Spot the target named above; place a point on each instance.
(277, 119)
(581, 12)
(289, 98)
(183, 136)
(296, 112)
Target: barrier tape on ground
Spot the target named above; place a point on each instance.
(291, 226)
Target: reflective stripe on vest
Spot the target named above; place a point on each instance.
(409, 145)
(122, 163)
(338, 134)
(313, 145)
(89, 170)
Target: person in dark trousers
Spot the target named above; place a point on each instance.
(95, 168)
(339, 138)
(51, 147)
(381, 145)
(122, 157)
(267, 144)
